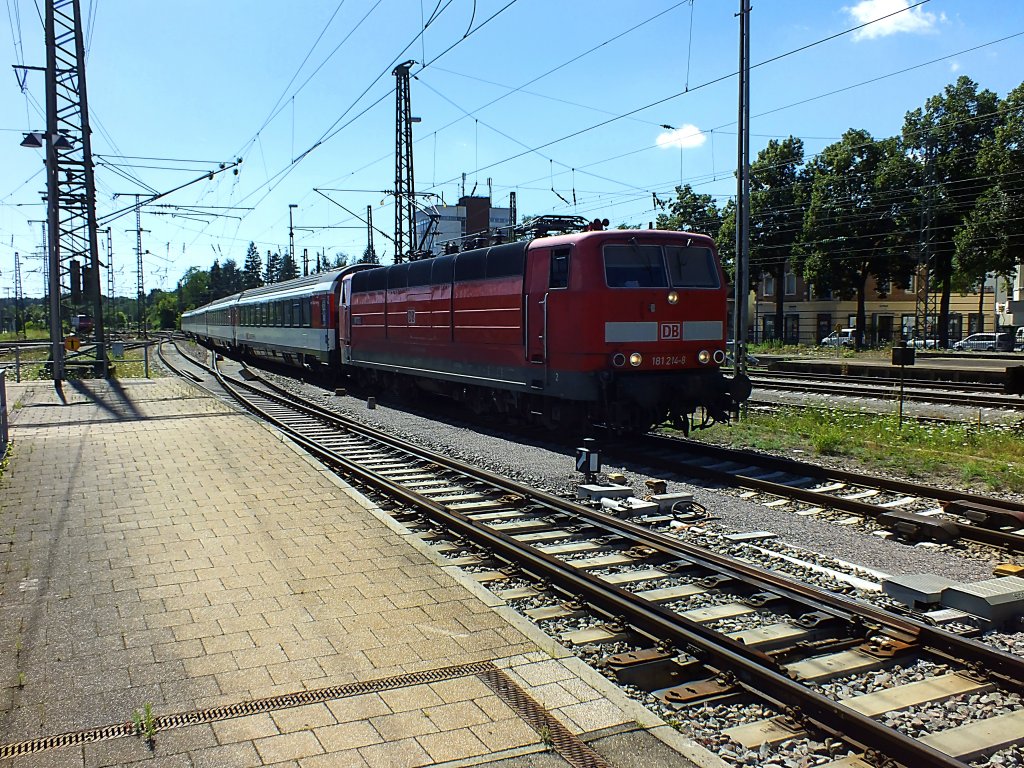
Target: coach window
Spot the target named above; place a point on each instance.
(559, 268)
(296, 313)
(306, 313)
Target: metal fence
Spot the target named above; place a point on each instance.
(20, 357)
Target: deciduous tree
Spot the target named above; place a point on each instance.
(947, 136)
(857, 220)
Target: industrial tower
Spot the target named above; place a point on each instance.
(405, 186)
(70, 185)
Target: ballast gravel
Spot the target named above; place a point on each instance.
(552, 468)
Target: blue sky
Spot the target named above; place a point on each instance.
(547, 83)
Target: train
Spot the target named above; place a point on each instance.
(625, 328)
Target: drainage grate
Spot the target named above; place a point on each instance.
(273, 703)
(564, 742)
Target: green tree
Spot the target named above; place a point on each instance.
(947, 136)
(857, 220)
(992, 237)
(252, 269)
(216, 281)
(777, 205)
(726, 240)
(289, 269)
(193, 289)
(161, 310)
(231, 277)
(691, 212)
(337, 262)
(369, 256)
(273, 272)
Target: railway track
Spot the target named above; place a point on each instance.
(647, 605)
(913, 510)
(768, 374)
(946, 393)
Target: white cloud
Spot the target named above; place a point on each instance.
(915, 20)
(954, 66)
(685, 137)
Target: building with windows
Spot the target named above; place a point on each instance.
(454, 223)
(892, 312)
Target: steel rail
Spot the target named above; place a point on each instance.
(954, 647)
(939, 384)
(966, 400)
(989, 536)
(757, 671)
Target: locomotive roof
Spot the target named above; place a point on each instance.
(620, 234)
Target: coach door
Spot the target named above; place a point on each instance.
(345, 321)
(547, 274)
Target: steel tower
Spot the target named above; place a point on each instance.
(405, 186)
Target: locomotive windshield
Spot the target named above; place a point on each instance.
(692, 267)
(634, 266)
(644, 266)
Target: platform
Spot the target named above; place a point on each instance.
(160, 548)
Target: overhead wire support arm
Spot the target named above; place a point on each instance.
(153, 198)
(352, 213)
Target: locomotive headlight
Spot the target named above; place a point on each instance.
(673, 297)
(635, 359)
(618, 359)
(703, 357)
(719, 356)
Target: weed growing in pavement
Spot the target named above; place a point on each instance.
(21, 679)
(143, 724)
(546, 737)
(985, 456)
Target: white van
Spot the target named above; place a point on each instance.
(844, 337)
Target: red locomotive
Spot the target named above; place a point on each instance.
(622, 327)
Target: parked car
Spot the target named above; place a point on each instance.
(988, 342)
(730, 357)
(845, 337)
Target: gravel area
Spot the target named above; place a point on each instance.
(552, 468)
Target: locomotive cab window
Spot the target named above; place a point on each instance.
(634, 266)
(559, 276)
(692, 267)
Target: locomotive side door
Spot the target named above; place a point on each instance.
(547, 273)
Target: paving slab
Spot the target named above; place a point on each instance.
(161, 549)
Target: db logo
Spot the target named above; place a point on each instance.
(671, 331)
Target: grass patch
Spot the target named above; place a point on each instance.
(33, 366)
(985, 457)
